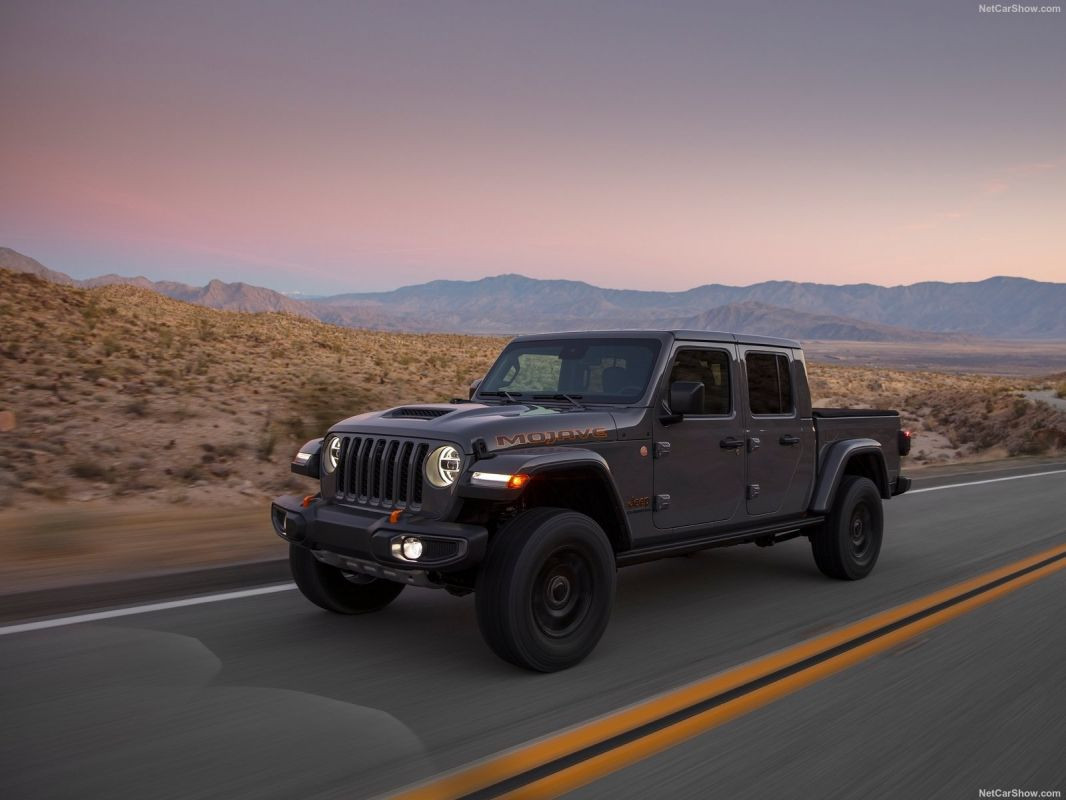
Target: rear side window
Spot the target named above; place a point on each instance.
(769, 384)
(709, 367)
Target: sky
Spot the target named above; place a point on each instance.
(328, 146)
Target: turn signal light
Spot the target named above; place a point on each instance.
(517, 481)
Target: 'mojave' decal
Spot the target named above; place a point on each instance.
(551, 437)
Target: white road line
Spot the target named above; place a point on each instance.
(989, 480)
(284, 587)
(144, 609)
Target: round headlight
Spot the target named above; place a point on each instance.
(443, 466)
(333, 453)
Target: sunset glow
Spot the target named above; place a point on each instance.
(339, 147)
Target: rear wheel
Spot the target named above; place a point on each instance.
(849, 542)
(545, 591)
(340, 592)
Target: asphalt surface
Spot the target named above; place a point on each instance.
(266, 696)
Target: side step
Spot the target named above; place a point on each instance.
(763, 536)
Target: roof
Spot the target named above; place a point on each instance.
(684, 335)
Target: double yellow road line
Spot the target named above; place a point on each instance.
(577, 756)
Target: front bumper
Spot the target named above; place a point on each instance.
(364, 540)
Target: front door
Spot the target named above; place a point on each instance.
(699, 461)
(775, 440)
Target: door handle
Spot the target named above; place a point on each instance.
(730, 443)
(789, 440)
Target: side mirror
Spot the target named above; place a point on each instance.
(686, 397)
(473, 386)
(306, 462)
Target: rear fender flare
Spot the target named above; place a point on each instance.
(834, 467)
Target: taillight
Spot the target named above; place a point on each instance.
(904, 439)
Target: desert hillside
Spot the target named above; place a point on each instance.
(124, 397)
(121, 393)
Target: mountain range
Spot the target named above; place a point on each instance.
(1001, 307)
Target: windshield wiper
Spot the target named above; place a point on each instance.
(509, 397)
(573, 398)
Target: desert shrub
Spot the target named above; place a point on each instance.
(89, 470)
(230, 450)
(205, 331)
(137, 407)
(110, 345)
(1060, 390)
(92, 313)
(264, 447)
(191, 473)
(321, 402)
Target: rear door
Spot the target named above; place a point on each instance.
(699, 462)
(775, 435)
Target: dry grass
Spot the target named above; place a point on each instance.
(120, 394)
(955, 416)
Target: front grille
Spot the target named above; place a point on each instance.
(381, 471)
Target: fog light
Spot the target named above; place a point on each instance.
(412, 548)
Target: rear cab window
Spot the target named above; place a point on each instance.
(769, 384)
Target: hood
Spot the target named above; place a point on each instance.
(499, 426)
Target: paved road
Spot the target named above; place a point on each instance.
(267, 697)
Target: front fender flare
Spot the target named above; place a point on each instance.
(541, 461)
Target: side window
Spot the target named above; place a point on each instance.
(769, 384)
(709, 367)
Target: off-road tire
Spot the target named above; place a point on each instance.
(328, 588)
(545, 590)
(848, 543)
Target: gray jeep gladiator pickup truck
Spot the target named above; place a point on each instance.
(579, 453)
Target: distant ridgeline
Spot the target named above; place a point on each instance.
(1002, 308)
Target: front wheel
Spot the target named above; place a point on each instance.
(545, 591)
(340, 592)
(849, 541)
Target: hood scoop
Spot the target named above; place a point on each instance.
(418, 412)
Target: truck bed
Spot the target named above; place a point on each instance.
(882, 425)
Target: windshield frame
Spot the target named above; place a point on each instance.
(655, 341)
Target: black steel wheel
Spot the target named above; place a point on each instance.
(562, 592)
(337, 591)
(545, 591)
(848, 543)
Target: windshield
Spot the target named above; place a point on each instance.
(592, 370)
